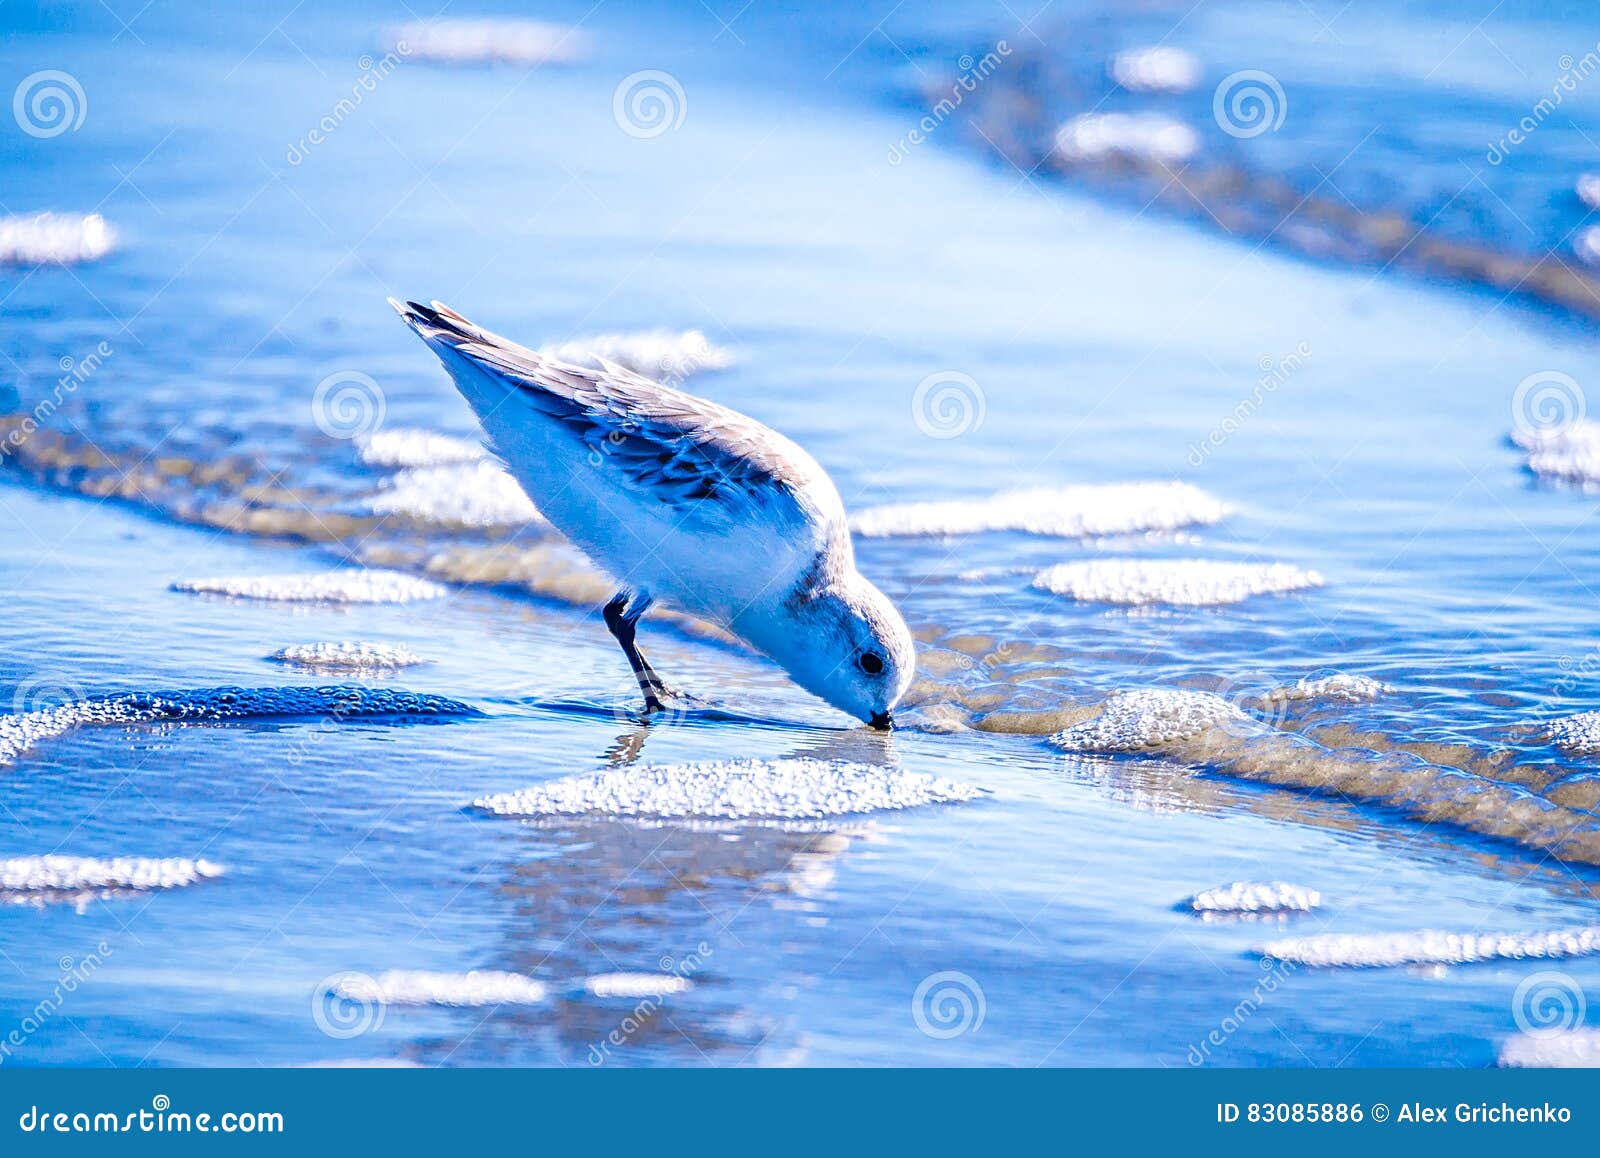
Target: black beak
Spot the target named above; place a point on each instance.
(882, 721)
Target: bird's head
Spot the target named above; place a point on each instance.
(846, 644)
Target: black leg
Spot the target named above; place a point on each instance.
(620, 619)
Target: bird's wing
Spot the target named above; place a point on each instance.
(696, 457)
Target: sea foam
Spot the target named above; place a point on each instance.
(41, 880)
(1428, 947)
(1569, 453)
(1071, 512)
(1256, 897)
(471, 494)
(420, 987)
(1145, 136)
(413, 446)
(55, 239)
(1148, 718)
(349, 655)
(1572, 1049)
(791, 789)
(348, 586)
(1157, 69)
(19, 733)
(654, 353)
(488, 42)
(1180, 582)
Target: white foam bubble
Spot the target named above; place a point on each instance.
(1256, 897)
(654, 353)
(1588, 189)
(1156, 69)
(347, 586)
(635, 985)
(1072, 512)
(420, 987)
(1144, 136)
(1339, 688)
(1428, 947)
(488, 42)
(348, 654)
(55, 239)
(1149, 718)
(19, 733)
(1587, 245)
(413, 447)
(1180, 582)
(1569, 453)
(1572, 1049)
(1579, 735)
(472, 494)
(32, 875)
(798, 789)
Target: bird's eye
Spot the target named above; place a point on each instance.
(871, 662)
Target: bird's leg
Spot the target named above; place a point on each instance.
(621, 619)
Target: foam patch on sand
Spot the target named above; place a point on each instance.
(1387, 950)
(635, 985)
(472, 494)
(1072, 512)
(1178, 582)
(1569, 453)
(1149, 718)
(41, 880)
(658, 354)
(1158, 69)
(488, 42)
(797, 789)
(414, 447)
(349, 586)
(1336, 688)
(55, 239)
(1142, 136)
(21, 732)
(420, 987)
(1256, 897)
(349, 655)
(1573, 1049)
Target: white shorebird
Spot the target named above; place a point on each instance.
(686, 501)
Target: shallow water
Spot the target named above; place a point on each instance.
(943, 330)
